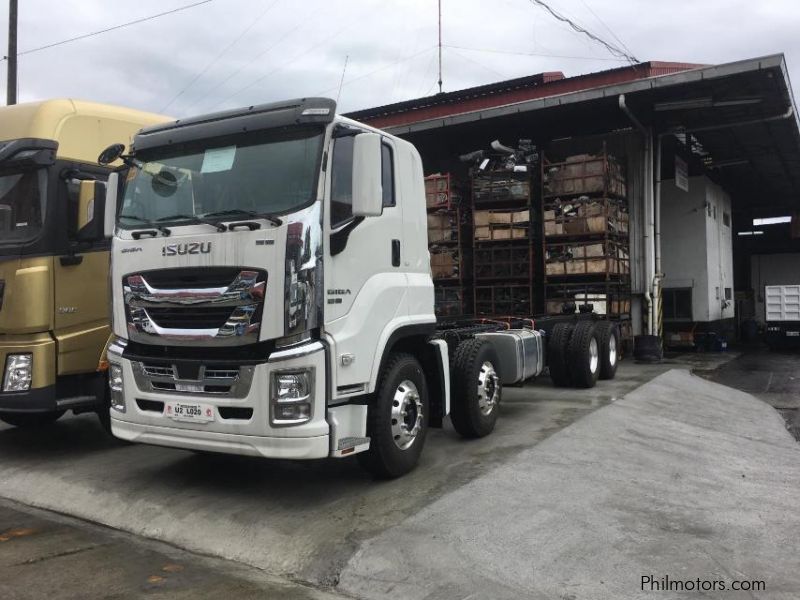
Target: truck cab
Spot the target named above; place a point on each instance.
(54, 299)
(270, 267)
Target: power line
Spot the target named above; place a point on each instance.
(205, 69)
(379, 69)
(610, 47)
(475, 62)
(603, 23)
(114, 28)
(235, 72)
(286, 64)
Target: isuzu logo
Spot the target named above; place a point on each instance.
(186, 248)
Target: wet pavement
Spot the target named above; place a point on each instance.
(49, 556)
(773, 377)
(301, 521)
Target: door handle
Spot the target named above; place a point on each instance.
(71, 260)
(395, 253)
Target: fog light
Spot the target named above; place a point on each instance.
(19, 372)
(115, 384)
(291, 397)
(292, 413)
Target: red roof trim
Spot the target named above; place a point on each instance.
(509, 92)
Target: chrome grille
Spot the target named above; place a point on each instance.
(221, 373)
(198, 317)
(212, 305)
(158, 371)
(210, 381)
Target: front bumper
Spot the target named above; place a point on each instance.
(41, 397)
(209, 441)
(145, 421)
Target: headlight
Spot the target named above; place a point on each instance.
(292, 397)
(19, 371)
(115, 384)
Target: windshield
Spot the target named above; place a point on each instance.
(22, 205)
(264, 173)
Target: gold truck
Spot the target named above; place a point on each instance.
(54, 290)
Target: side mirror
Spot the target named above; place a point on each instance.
(110, 212)
(367, 186)
(111, 154)
(91, 208)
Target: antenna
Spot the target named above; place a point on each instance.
(440, 46)
(341, 83)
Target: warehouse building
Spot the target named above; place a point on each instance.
(710, 157)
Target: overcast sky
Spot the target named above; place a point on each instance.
(291, 48)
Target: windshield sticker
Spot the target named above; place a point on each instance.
(218, 159)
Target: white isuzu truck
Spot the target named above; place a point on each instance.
(272, 296)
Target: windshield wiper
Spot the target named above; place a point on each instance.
(248, 213)
(161, 228)
(194, 219)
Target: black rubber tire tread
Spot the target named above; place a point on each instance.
(384, 459)
(465, 413)
(104, 410)
(578, 357)
(605, 331)
(557, 354)
(31, 420)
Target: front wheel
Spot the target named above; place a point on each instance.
(29, 420)
(397, 419)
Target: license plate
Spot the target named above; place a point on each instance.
(793, 334)
(189, 412)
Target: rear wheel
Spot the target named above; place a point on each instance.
(28, 420)
(557, 354)
(476, 388)
(397, 420)
(608, 335)
(583, 355)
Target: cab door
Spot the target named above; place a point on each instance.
(365, 275)
(81, 282)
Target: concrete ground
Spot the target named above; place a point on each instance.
(299, 520)
(48, 556)
(683, 478)
(773, 377)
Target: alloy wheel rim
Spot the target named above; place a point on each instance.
(612, 350)
(488, 388)
(407, 415)
(594, 355)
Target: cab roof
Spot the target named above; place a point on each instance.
(82, 129)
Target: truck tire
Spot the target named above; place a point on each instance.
(608, 335)
(476, 388)
(397, 419)
(583, 355)
(557, 354)
(30, 420)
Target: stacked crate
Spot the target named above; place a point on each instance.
(586, 240)
(449, 255)
(502, 244)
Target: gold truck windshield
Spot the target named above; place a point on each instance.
(22, 205)
(266, 173)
